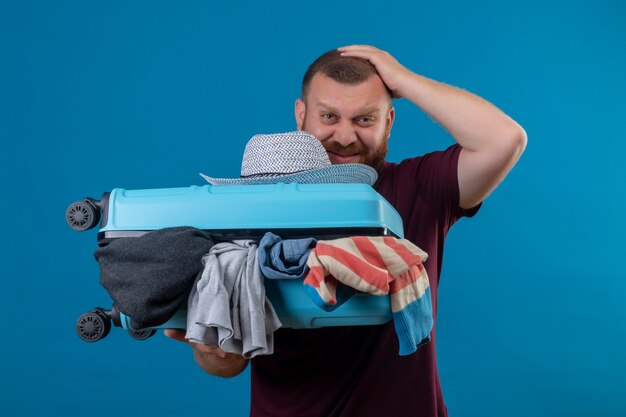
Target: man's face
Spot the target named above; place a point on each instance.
(352, 121)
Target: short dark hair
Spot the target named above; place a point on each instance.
(343, 69)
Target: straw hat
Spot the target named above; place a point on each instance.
(293, 157)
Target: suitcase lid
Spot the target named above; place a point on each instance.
(248, 211)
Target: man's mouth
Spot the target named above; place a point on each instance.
(343, 158)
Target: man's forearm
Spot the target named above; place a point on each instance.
(472, 121)
(492, 142)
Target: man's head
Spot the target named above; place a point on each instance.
(346, 105)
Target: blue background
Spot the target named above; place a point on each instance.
(146, 94)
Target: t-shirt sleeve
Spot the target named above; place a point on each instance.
(437, 184)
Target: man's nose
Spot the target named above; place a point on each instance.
(345, 134)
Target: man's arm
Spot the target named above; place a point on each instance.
(492, 142)
(213, 360)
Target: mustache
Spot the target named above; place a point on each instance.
(353, 148)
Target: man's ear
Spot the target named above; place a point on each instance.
(389, 122)
(300, 111)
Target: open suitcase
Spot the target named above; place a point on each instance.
(322, 211)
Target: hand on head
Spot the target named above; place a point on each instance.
(393, 74)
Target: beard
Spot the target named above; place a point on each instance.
(371, 157)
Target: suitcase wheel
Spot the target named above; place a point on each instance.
(141, 334)
(83, 215)
(93, 326)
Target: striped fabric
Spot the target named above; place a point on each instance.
(379, 266)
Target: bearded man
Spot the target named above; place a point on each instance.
(347, 104)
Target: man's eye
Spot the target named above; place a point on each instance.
(366, 121)
(328, 116)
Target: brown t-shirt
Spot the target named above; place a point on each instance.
(356, 371)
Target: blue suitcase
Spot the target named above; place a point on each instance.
(323, 211)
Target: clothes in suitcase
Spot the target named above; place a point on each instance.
(293, 210)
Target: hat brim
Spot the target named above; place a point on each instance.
(341, 173)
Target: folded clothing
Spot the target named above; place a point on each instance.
(227, 306)
(150, 276)
(379, 266)
(284, 259)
